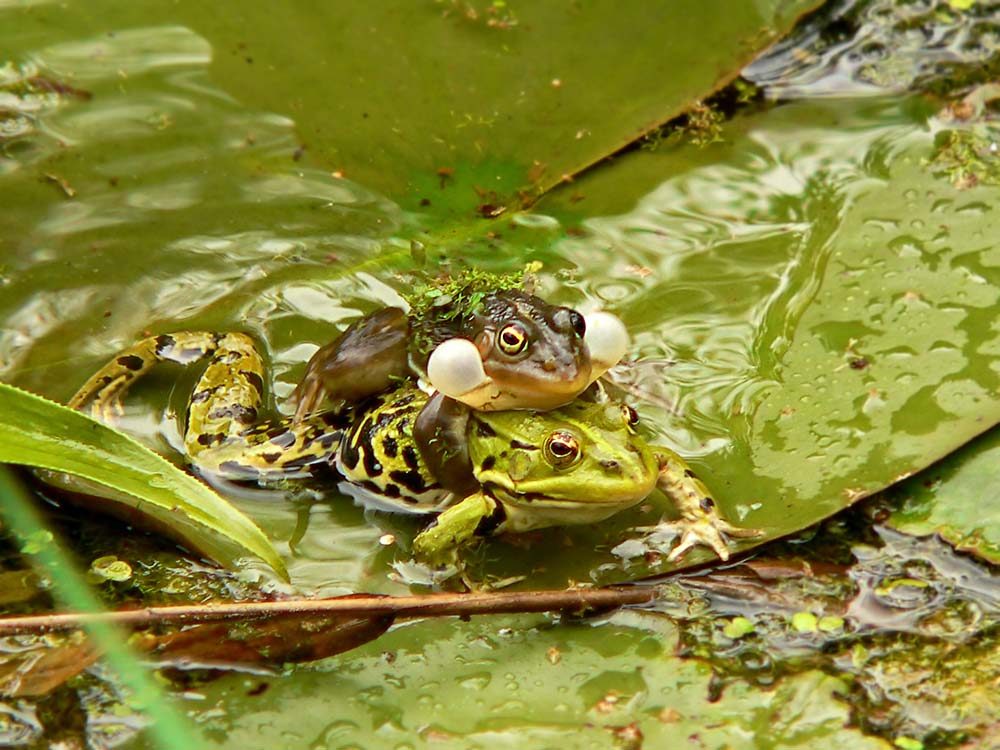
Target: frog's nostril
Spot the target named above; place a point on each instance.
(549, 365)
(609, 464)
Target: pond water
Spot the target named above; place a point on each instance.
(140, 195)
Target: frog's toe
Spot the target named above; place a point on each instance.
(691, 534)
(607, 340)
(709, 532)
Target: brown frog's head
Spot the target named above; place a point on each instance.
(520, 352)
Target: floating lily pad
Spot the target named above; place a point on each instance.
(958, 499)
(477, 106)
(470, 685)
(862, 348)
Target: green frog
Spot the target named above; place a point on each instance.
(577, 464)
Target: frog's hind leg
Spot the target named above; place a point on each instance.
(101, 395)
(275, 451)
(365, 359)
(227, 398)
(223, 436)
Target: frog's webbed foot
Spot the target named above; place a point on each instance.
(700, 522)
(102, 394)
(109, 408)
(709, 530)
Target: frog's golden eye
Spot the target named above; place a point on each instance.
(630, 414)
(562, 449)
(512, 339)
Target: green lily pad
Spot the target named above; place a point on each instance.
(773, 281)
(45, 435)
(863, 349)
(957, 498)
(470, 105)
(471, 685)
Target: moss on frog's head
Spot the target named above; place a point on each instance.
(460, 293)
(455, 295)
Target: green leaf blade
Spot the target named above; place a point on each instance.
(46, 435)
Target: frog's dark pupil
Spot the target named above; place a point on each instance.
(561, 449)
(577, 321)
(513, 339)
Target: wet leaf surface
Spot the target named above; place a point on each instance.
(45, 435)
(472, 106)
(867, 348)
(193, 189)
(957, 499)
(472, 685)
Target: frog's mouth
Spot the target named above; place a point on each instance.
(534, 510)
(541, 500)
(456, 369)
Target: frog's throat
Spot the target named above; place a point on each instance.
(525, 512)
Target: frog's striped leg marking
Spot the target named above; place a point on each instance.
(477, 515)
(101, 395)
(700, 522)
(227, 398)
(278, 450)
(223, 436)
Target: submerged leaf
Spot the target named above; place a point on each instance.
(41, 669)
(274, 642)
(45, 435)
(531, 685)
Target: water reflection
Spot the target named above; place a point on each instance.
(723, 259)
(159, 151)
(125, 52)
(868, 47)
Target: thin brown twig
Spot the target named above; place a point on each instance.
(429, 605)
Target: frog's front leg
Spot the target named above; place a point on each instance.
(361, 362)
(441, 434)
(700, 522)
(476, 516)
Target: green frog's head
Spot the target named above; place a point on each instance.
(578, 464)
(520, 352)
